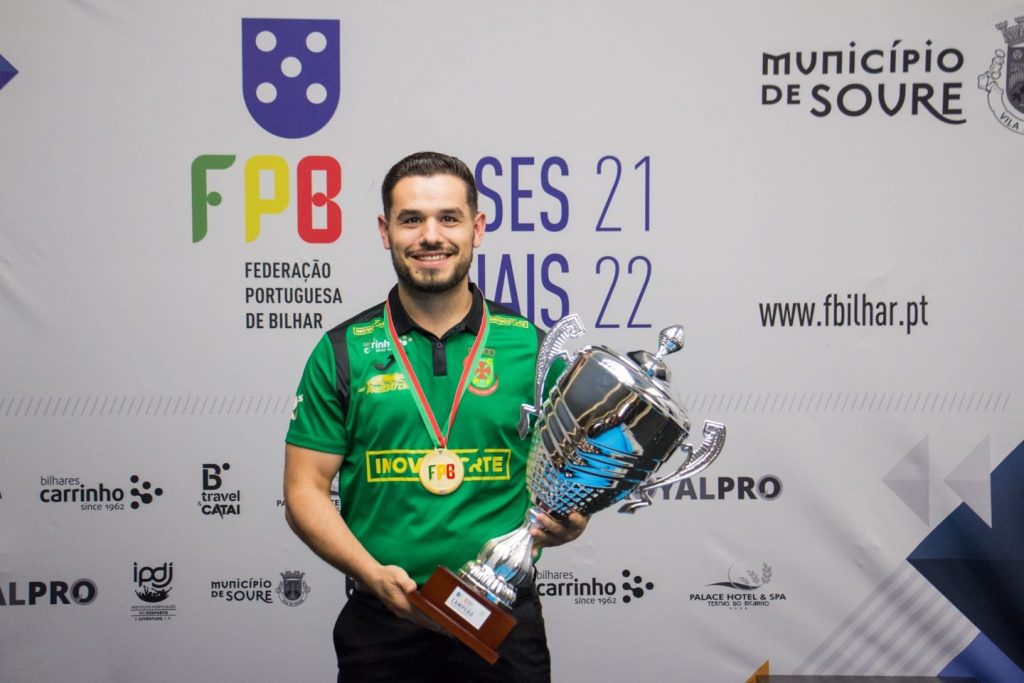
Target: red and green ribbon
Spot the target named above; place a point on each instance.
(418, 396)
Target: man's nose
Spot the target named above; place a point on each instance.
(431, 230)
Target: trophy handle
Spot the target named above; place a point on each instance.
(552, 347)
(714, 440)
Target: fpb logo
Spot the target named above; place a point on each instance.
(291, 85)
(441, 471)
(291, 74)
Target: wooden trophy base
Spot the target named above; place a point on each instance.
(476, 621)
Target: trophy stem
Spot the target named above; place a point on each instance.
(504, 563)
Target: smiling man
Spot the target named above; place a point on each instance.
(412, 406)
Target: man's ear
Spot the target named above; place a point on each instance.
(479, 226)
(382, 228)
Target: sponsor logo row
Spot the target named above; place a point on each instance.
(744, 588)
(152, 585)
(150, 591)
(135, 492)
(215, 497)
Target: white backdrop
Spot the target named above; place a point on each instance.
(645, 174)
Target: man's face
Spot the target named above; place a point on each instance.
(431, 232)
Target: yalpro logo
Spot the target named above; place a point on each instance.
(291, 73)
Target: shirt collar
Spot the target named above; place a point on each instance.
(471, 323)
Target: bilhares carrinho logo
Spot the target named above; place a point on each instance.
(628, 587)
(100, 496)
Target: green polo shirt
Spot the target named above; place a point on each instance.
(354, 401)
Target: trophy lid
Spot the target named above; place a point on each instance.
(652, 390)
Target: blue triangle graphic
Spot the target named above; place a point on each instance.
(7, 72)
(979, 568)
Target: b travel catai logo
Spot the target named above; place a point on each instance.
(214, 499)
(291, 86)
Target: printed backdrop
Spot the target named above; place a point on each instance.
(827, 197)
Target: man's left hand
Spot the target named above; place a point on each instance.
(551, 532)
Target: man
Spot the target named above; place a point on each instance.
(433, 375)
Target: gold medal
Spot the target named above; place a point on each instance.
(441, 471)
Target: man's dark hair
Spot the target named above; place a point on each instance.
(428, 164)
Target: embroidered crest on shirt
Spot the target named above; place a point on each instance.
(483, 381)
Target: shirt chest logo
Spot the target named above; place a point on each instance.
(483, 381)
(383, 384)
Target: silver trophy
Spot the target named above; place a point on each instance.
(604, 430)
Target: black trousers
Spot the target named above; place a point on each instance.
(372, 644)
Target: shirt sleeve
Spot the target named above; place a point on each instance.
(318, 419)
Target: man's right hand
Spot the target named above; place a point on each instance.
(392, 585)
(311, 514)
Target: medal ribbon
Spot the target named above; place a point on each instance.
(418, 396)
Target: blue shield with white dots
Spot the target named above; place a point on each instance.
(291, 73)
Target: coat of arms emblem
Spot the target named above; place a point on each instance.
(293, 588)
(1007, 103)
(482, 379)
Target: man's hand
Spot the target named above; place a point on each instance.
(392, 585)
(312, 515)
(552, 532)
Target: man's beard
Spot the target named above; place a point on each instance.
(432, 284)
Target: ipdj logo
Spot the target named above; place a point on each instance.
(291, 74)
(153, 584)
